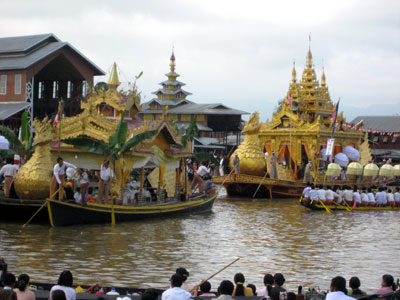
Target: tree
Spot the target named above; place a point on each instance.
(22, 146)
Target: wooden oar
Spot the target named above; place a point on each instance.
(328, 210)
(345, 207)
(260, 184)
(301, 198)
(40, 208)
(219, 271)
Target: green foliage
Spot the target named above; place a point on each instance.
(203, 156)
(6, 153)
(137, 139)
(118, 138)
(89, 145)
(190, 132)
(11, 136)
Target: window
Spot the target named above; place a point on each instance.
(148, 117)
(173, 117)
(385, 139)
(17, 84)
(394, 139)
(85, 88)
(200, 118)
(153, 106)
(55, 89)
(40, 89)
(375, 139)
(69, 89)
(185, 118)
(3, 85)
(159, 117)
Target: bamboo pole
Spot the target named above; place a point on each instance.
(260, 184)
(216, 273)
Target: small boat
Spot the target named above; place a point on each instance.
(66, 213)
(318, 206)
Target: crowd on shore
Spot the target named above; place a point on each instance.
(273, 288)
(381, 197)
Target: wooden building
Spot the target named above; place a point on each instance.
(38, 70)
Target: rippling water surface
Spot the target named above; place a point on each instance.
(309, 248)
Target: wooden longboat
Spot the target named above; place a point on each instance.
(14, 209)
(65, 213)
(318, 206)
(243, 185)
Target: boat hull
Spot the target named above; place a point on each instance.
(63, 213)
(316, 206)
(12, 209)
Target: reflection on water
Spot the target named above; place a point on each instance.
(309, 248)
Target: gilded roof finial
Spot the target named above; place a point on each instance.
(323, 80)
(113, 80)
(294, 71)
(172, 64)
(309, 55)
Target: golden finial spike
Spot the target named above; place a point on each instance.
(172, 64)
(113, 80)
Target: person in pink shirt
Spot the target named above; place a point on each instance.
(205, 289)
(387, 285)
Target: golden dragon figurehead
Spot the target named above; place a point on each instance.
(252, 125)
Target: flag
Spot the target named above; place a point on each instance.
(335, 112)
(56, 119)
(334, 116)
(289, 98)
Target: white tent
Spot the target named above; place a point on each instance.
(4, 143)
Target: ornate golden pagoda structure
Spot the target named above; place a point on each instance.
(298, 130)
(33, 179)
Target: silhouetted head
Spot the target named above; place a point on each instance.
(9, 279)
(176, 280)
(65, 279)
(279, 279)
(338, 284)
(268, 279)
(183, 273)
(354, 283)
(205, 287)
(58, 295)
(226, 287)
(23, 281)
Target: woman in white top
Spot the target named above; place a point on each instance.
(371, 198)
(65, 284)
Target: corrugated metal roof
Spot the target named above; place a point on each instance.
(23, 43)
(385, 123)
(192, 108)
(7, 109)
(19, 62)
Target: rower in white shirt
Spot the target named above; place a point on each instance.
(314, 194)
(390, 198)
(371, 198)
(380, 197)
(330, 195)
(321, 193)
(306, 193)
(105, 176)
(397, 196)
(364, 198)
(356, 196)
(58, 177)
(348, 195)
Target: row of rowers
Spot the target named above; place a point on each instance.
(359, 197)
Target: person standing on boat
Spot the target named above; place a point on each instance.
(221, 165)
(236, 164)
(8, 171)
(58, 177)
(198, 177)
(307, 173)
(274, 171)
(105, 176)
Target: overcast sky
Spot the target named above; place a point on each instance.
(239, 53)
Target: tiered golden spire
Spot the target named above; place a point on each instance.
(294, 76)
(113, 80)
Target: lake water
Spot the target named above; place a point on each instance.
(269, 236)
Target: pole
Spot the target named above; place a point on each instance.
(40, 208)
(216, 273)
(260, 184)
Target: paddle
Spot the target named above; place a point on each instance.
(40, 208)
(345, 207)
(219, 271)
(328, 210)
(260, 184)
